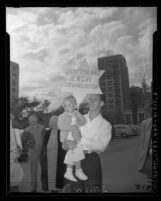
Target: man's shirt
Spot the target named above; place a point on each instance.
(96, 134)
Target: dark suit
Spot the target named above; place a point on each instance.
(33, 138)
(44, 162)
(61, 167)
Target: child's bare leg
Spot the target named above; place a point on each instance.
(69, 166)
(69, 173)
(79, 172)
(78, 165)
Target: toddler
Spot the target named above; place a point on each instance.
(69, 123)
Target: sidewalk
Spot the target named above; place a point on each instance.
(119, 166)
(25, 185)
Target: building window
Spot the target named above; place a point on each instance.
(13, 82)
(116, 69)
(14, 68)
(117, 91)
(13, 76)
(110, 94)
(13, 97)
(117, 101)
(111, 106)
(117, 96)
(102, 81)
(141, 117)
(109, 82)
(128, 118)
(13, 90)
(117, 84)
(103, 88)
(110, 100)
(109, 71)
(109, 76)
(118, 104)
(109, 89)
(116, 77)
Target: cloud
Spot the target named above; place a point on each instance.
(46, 41)
(40, 55)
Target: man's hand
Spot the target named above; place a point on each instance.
(76, 135)
(80, 119)
(77, 114)
(69, 144)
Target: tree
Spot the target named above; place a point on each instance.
(147, 93)
(44, 106)
(136, 100)
(21, 107)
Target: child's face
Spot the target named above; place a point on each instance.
(69, 106)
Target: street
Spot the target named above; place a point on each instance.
(119, 165)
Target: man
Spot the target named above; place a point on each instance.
(16, 172)
(33, 138)
(145, 159)
(96, 135)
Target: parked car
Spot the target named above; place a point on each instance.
(124, 131)
(135, 128)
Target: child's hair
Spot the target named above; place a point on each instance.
(71, 98)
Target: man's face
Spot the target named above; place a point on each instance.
(94, 102)
(33, 119)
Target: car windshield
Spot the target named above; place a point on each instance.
(121, 127)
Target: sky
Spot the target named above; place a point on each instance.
(45, 41)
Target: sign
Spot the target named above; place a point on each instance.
(82, 82)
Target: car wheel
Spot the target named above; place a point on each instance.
(124, 135)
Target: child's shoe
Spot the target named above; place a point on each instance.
(80, 174)
(69, 175)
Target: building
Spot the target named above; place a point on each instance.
(14, 81)
(141, 115)
(114, 84)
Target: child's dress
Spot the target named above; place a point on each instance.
(77, 154)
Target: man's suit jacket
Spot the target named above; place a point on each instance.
(32, 136)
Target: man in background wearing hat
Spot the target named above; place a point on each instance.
(33, 138)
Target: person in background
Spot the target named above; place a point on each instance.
(33, 136)
(16, 172)
(52, 152)
(96, 135)
(145, 158)
(44, 161)
(61, 167)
